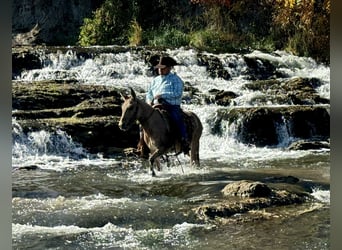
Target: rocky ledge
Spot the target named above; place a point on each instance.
(90, 115)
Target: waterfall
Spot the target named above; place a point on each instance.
(284, 133)
(41, 143)
(128, 68)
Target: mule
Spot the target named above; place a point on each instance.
(159, 134)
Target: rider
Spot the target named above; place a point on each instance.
(167, 89)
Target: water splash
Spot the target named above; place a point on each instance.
(321, 195)
(112, 236)
(34, 147)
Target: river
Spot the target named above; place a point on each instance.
(75, 200)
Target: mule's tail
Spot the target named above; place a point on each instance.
(195, 133)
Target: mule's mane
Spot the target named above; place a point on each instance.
(146, 110)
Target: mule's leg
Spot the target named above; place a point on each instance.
(152, 159)
(157, 161)
(194, 153)
(195, 141)
(153, 172)
(151, 166)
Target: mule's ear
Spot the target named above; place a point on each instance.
(123, 97)
(133, 94)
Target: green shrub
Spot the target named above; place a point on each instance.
(167, 36)
(109, 25)
(215, 41)
(135, 34)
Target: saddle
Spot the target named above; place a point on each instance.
(142, 148)
(172, 126)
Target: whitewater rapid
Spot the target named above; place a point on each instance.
(128, 69)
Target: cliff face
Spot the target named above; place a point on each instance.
(58, 20)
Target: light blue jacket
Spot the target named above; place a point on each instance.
(169, 87)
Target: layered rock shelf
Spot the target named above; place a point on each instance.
(89, 113)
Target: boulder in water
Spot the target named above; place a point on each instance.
(247, 196)
(245, 188)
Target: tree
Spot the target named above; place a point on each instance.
(109, 25)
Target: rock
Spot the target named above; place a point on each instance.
(67, 104)
(264, 197)
(266, 126)
(245, 188)
(214, 66)
(59, 20)
(295, 91)
(221, 97)
(259, 68)
(259, 127)
(307, 145)
(29, 167)
(225, 98)
(229, 209)
(24, 59)
(57, 103)
(54, 94)
(89, 114)
(301, 91)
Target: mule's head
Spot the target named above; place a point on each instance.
(129, 111)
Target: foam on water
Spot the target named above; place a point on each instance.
(180, 168)
(227, 149)
(64, 204)
(321, 195)
(51, 151)
(113, 236)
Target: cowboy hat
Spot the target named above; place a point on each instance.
(165, 61)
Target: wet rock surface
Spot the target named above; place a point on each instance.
(252, 198)
(89, 114)
(246, 188)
